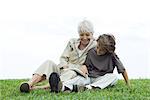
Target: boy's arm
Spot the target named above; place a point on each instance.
(121, 69)
(125, 76)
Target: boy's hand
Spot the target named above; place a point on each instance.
(125, 76)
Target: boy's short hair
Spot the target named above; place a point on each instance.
(105, 44)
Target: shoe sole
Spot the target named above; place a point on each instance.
(54, 81)
(24, 88)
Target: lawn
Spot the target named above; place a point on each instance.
(140, 90)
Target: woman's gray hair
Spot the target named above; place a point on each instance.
(85, 26)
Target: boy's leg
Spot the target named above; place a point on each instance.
(104, 81)
(78, 80)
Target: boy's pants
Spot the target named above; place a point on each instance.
(101, 82)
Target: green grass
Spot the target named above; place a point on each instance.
(140, 90)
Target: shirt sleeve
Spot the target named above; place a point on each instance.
(64, 58)
(118, 64)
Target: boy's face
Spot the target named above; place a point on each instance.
(85, 38)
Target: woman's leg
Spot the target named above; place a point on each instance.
(42, 73)
(47, 68)
(35, 79)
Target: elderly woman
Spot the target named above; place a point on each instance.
(73, 56)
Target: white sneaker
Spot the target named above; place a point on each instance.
(89, 87)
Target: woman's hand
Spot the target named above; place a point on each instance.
(84, 69)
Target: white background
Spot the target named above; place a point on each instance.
(32, 31)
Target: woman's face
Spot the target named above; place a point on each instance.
(85, 38)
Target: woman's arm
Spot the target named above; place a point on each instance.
(125, 76)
